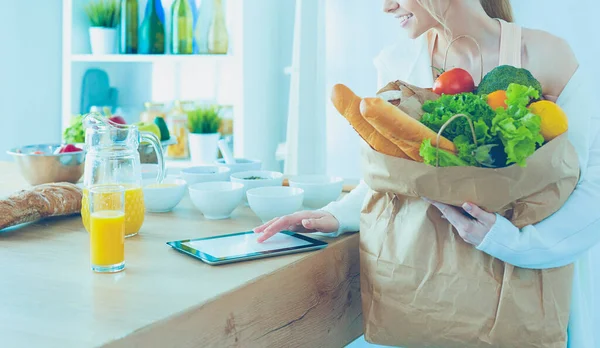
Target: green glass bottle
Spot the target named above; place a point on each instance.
(152, 30)
(129, 27)
(182, 28)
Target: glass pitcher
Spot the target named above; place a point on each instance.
(112, 157)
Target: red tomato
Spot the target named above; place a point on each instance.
(454, 81)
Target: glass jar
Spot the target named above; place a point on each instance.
(177, 121)
(152, 111)
(112, 159)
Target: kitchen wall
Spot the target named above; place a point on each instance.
(30, 73)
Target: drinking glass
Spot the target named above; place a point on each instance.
(107, 228)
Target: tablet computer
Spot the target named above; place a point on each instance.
(243, 246)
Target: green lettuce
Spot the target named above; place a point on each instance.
(517, 128)
(439, 111)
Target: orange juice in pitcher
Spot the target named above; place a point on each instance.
(112, 158)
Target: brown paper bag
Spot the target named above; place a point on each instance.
(423, 286)
(406, 97)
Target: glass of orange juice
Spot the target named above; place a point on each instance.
(107, 228)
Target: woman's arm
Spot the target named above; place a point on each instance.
(347, 210)
(561, 238)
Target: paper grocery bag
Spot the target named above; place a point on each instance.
(423, 286)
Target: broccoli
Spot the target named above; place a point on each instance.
(502, 76)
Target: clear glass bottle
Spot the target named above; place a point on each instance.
(218, 38)
(129, 27)
(182, 28)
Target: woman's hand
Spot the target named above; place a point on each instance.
(472, 229)
(302, 222)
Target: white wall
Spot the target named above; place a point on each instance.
(30, 73)
(350, 61)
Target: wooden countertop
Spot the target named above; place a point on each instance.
(49, 297)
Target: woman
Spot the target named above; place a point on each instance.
(561, 239)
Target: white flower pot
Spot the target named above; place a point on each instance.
(204, 147)
(103, 40)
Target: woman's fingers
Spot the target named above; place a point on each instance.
(324, 223)
(302, 222)
(263, 227)
(483, 216)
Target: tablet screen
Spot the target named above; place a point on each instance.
(244, 244)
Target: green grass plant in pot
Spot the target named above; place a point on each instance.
(104, 17)
(204, 123)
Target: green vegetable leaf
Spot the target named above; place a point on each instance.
(447, 159)
(438, 112)
(517, 128)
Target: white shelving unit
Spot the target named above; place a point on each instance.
(160, 78)
(250, 78)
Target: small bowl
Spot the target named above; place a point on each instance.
(257, 178)
(39, 165)
(198, 174)
(241, 164)
(216, 200)
(271, 202)
(162, 198)
(319, 190)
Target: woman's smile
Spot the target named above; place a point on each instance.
(404, 18)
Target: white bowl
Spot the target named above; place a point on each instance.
(257, 178)
(271, 202)
(241, 164)
(162, 198)
(319, 190)
(197, 174)
(216, 200)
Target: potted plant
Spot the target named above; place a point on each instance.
(104, 16)
(204, 123)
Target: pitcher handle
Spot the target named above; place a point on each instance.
(153, 139)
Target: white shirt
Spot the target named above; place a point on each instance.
(563, 238)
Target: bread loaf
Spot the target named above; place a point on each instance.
(403, 130)
(348, 105)
(42, 201)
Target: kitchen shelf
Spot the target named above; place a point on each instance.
(148, 58)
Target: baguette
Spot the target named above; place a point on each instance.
(403, 130)
(42, 201)
(348, 105)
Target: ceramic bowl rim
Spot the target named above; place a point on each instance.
(238, 161)
(273, 175)
(219, 169)
(233, 186)
(333, 180)
(295, 191)
(179, 182)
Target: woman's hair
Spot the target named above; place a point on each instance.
(494, 8)
(498, 9)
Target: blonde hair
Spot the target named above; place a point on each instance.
(498, 9)
(501, 9)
